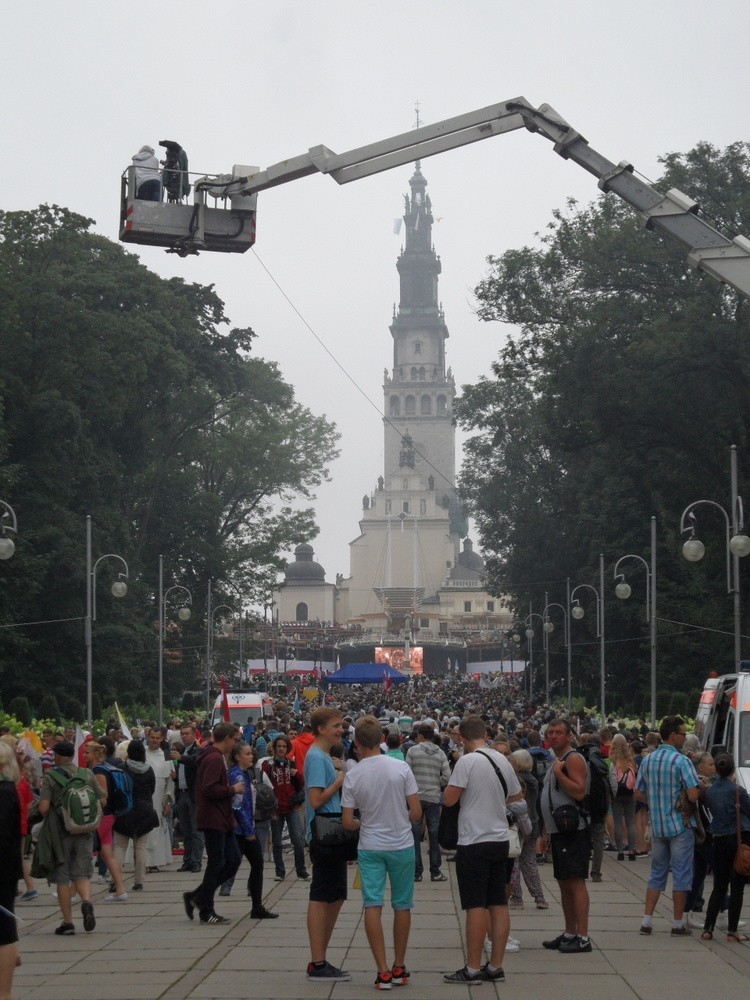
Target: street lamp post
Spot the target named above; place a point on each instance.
(577, 612)
(622, 590)
(737, 545)
(549, 628)
(183, 614)
(119, 589)
(8, 523)
(530, 637)
(210, 630)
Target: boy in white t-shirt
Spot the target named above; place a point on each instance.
(385, 792)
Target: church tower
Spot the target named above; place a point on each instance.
(412, 523)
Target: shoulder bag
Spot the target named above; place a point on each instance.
(448, 825)
(742, 857)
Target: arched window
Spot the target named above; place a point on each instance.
(421, 374)
(395, 406)
(414, 374)
(441, 404)
(406, 506)
(301, 612)
(425, 406)
(411, 406)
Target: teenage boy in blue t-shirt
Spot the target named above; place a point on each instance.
(323, 780)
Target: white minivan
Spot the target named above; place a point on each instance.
(722, 721)
(244, 706)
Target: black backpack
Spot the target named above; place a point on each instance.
(600, 793)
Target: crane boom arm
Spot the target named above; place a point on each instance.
(672, 213)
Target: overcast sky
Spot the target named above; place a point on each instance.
(85, 84)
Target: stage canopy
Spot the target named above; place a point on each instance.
(365, 673)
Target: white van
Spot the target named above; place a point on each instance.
(244, 705)
(722, 721)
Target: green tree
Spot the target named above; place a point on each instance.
(617, 399)
(130, 398)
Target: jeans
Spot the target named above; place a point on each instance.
(725, 878)
(703, 859)
(431, 816)
(293, 821)
(675, 854)
(623, 816)
(597, 846)
(192, 837)
(222, 861)
(250, 849)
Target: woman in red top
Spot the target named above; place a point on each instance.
(25, 798)
(289, 786)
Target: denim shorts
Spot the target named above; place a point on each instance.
(398, 867)
(675, 853)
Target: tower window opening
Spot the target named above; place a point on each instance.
(388, 506)
(490, 606)
(425, 406)
(405, 484)
(417, 346)
(422, 506)
(411, 406)
(414, 374)
(421, 374)
(301, 613)
(467, 606)
(441, 405)
(395, 406)
(406, 506)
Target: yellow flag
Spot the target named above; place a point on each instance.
(357, 883)
(34, 742)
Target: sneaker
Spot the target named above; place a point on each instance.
(29, 895)
(417, 878)
(304, 876)
(462, 976)
(513, 945)
(89, 920)
(187, 902)
(328, 973)
(554, 944)
(263, 914)
(681, 931)
(214, 918)
(575, 946)
(384, 981)
(114, 898)
(498, 976)
(138, 887)
(515, 904)
(279, 878)
(66, 929)
(438, 878)
(596, 876)
(722, 920)
(645, 929)
(225, 892)
(542, 904)
(620, 856)
(399, 976)
(540, 859)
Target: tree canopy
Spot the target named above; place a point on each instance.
(130, 398)
(618, 399)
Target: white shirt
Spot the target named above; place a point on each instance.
(378, 787)
(482, 817)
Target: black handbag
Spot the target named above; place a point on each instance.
(330, 840)
(448, 825)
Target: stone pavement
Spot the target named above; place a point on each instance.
(146, 948)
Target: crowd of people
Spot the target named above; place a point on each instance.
(378, 776)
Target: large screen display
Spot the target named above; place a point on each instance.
(395, 657)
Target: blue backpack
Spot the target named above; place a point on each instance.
(119, 790)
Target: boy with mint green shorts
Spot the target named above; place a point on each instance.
(384, 791)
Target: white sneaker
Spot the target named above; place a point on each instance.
(122, 898)
(513, 945)
(696, 920)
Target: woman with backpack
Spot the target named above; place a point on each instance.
(95, 759)
(243, 810)
(138, 823)
(623, 804)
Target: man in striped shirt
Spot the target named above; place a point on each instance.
(663, 775)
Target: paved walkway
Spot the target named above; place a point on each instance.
(146, 948)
